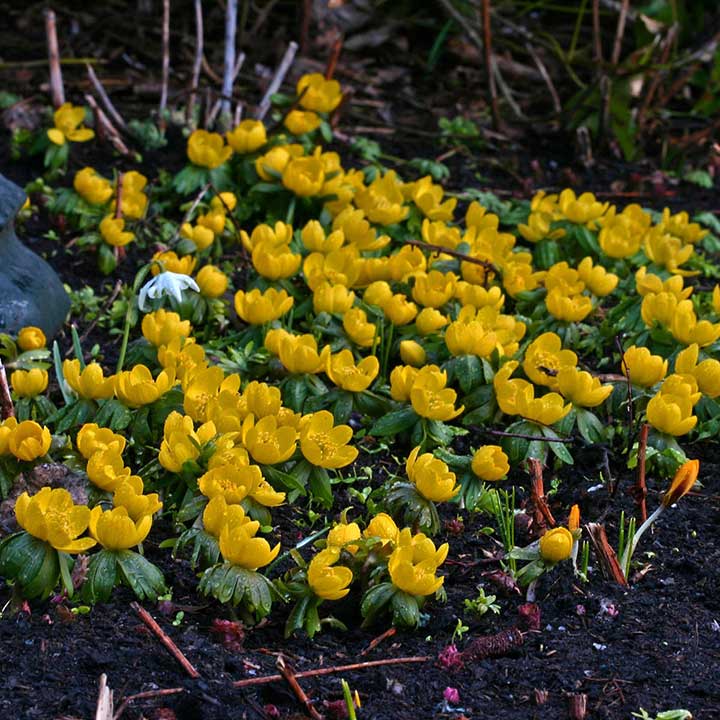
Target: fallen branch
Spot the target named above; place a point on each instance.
(609, 565)
(106, 125)
(541, 511)
(277, 80)
(144, 696)
(335, 669)
(56, 82)
(300, 694)
(165, 639)
(229, 61)
(453, 253)
(640, 490)
(542, 438)
(105, 98)
(376, 641)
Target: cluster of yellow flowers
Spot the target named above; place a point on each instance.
(26, 440)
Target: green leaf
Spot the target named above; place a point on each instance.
(558, 449)
(319, 486)
(107, 262)
(405, 609)
(101, 577)
(589, 426)
(469, 372)
(113, 414)
(394, 422)
(296, 619)
(146, 580)
(375, 600)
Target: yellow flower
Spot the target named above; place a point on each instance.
(315, 240)
(412, 353)
(278, 236)
(414, 562)
(707, 373)
(359, 330)
(239, 547)
(679, 226)
(233, 482)
(382, 526)
(106, 468)
(574, 518)
(218, 515)
(52, 516)
(666, 250)
(428, 198)
(430, 399)
(262, 399)
(431, 476)
(299, 354)
(687, 329)
(323, 443)
(270, 166)
(332, 298)
(544, 357)
(556, 545)
(378, 293)
(170, 261)
(205, 385)
(402, 379)
(318, 94)
(304, 176)
(91, 438)
(137, 387)
(182, 356)
(430, 320)
(343, 536)
(490, 463)
(90, 383)
(338, 267)
(92, 187)
(31, 338)
(29, 383)
(399, 310)
(116, 530)
(275, 262)
(247, 137)
(225, 200)
(569, 308)
(266, 495)
(202, 237)
(597, 279)
(268, 443)
(671, 414)
(68, 125)
(300, 122)
(344, 373)
(327, 582)
(129, 495)
(470, 338)
(162, 326)
(29, 441)
(112, 230)
(213, 221)
(212, 281)
(207, 149)
(658, 308)
(180, 441)
(682, 483)
(382, 200)
(581, 388)
(6, 428)
(583, 210)
(433, 289)
(258, 308)
(644, 368)
(133, 201)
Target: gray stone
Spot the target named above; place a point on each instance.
(30, 291)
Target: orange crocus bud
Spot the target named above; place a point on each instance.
(574, 519)
(682, 483)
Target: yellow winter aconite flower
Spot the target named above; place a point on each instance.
(682, 483)
(471, 337)
(318, 94)
(679, 226)
(490, 463)
(300, 122)
(343, 536)
(556, 545)
(706, 373)
(232, 482)
(91, 438)
(90, 383)
(382, 200)
(202, 237)
(332, 298)
(644, 368)
(182, 356)
(203, 386)
(112, 231)
(247, 137)
(137, 387)
(92, 187)
(687, 329)
(68, 121)
(29, 383)
(414, 562)
(597, 279)
(218, 515)
(315, 240)
(106, 468)
(346, 374)
(412, 353)
(583, 210)
(270, 166)
(581, 388)
(212, 281)
(162, 326)
(432, 400)
(180, 441)
(325, 444)
(171, 262)
(207, 149)
(129, 495)
(402, 379)
(338, 267)
(299, 354)
(428, 198)
(239, 547)
(268, 443)
(430, 320)
(327, 582)
(134, 201)
(544, 357)
(52, 516)
(399, 310)
(278, 236)
(116, 530)
(382, 526)
(275, 262)
(28, 441)
(31, 338)
(431, 476)
(257, 307)
(433, 289)
(358, 329)
(568, 308)
(304, 176)
(666, 250)
(671, 413)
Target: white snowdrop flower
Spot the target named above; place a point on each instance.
(163, 284)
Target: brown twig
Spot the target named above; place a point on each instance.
(119, 195)
(335, 669)
(334, 57)
(490, 65)
(165, 64)
(557, 105)
(104, 123)
(56, 82)
(454, 253)
(541, 511)
(197, 63)
(300, 694)
(144, 696)
(7, 409)
(375, 642)
(640, 486)
(619, 32)
(606, 556)
(305, 26)
(626, 373)
(542, 438)
(277, 80)
(165, 639)
(655, 83)
(105, 98)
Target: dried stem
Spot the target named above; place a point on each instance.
(619, 32)
(145, 696)
(165, 63)
(197, 64)
(454, 253)
(277, 80)
(577, 706)
(56, 82)
(165, 639)
(557, 105)
(305, 26)
(640, 486)
(606, 556)
(490, 65)
(334, 57)
(7, 409)
(105, 125)
(229, 62)
(105, 98)
(376, 641)
(335, 669)
(541, 511)
(300, 694)
(542, 438)
(119, 195)
(104, 708)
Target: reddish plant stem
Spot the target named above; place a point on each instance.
(541, 511)
(452, 253)
(145, 696)
(7, 409)
(640, 486)
(607, 558)
(165, 639)
(300, 694)
(334, 57)
(332, 670)
(374, 643)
